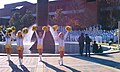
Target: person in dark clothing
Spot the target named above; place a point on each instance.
(0, 36)
(95, 47)
(100, 50)
(87, 41)
(81, 43)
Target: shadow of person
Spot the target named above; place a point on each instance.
(72, 69)
(24, 68)
(102, 61)
(53, 67)
(105, 55)
(14, 67)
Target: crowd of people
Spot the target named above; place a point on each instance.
(95, 33)
(92, 34)
(84, 42)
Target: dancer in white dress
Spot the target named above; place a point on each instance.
(40, 38)
(8, 46)
(20, 48)
(61, 39)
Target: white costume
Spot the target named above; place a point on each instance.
(7, 43)
(40, 43)
(61, 46)
(61, 40)
(13, 35)
(40, 40)
(8, 40)
(19, 41)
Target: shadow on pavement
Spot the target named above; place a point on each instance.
(53, 67)
(14, 67)
(100, 61)
(105, 55)
(72, 69)
(24, 68)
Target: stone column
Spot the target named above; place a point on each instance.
(42, 19)
(42, 12)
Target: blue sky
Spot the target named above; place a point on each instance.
(2, 2)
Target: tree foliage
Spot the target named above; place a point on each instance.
(109, 13)
(14, 19)
(20, 21)
(62, 20)
(27, 19)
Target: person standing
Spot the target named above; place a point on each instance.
(19, 40)
(40, 38)
(8, 46)
(61, 39)
(87, 41)
(81, 43)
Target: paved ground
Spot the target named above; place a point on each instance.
(96, 63)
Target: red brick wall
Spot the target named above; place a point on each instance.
(91, 13)
(87, 17)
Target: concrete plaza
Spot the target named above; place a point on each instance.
(95, 63)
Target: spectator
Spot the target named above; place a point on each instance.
(81, 43)
(100, 50)
(87, 40)
(95, 47)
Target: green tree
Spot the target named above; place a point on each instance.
(109, 13)
(62, 20)
(27, 19)
(15, 19)
(20, 21)
(58, 18)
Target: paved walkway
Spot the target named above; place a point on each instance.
(95, 63)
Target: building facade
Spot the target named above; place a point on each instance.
(82, 12)
(108, 13)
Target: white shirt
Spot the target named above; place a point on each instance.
(13, 35)
(8, 40)
(19, 41)
(61, 41)
(40, 41)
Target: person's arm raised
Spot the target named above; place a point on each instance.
(43, 34)
(65, 36)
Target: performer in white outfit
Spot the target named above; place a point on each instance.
(61, 39)
(40, 38)
(8, 46)
(19, 39)
(13, 36)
